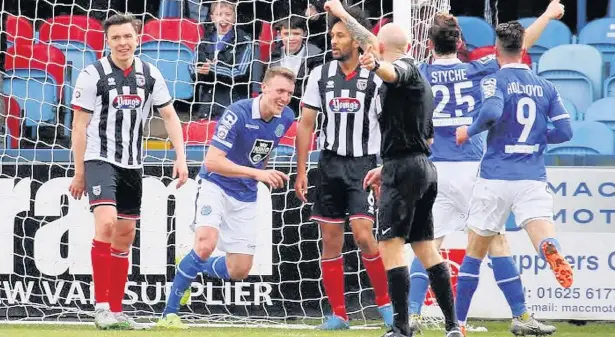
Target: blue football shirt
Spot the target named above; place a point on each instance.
(457, 97)
(517, 140)
(247, 140)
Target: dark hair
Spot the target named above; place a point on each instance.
(292, 22)
(121, 19)
(354, 12)
(445, 34)
(510, 37)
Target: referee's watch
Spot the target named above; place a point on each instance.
(376, 65)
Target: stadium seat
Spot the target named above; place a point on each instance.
(13, 124)
(170, 44)
(198, 133)
(481, 52)
(81, 39)
(602, 110)
(555, 34)
(588, 138)
(609, 87)
(170, 9)
(576, 70)
(34, 76)
(601, 35)
(19, 30)
(476, 31)
(572, 109)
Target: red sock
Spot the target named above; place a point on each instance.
(378, 277)
(333, 280)
(101, 262)
(119, 265)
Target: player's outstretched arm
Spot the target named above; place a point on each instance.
(174, 129)
(555, 11)
(217, 162)
(365, 38)
(562, 129)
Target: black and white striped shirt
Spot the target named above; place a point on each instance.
(120, 102)
(350, 127)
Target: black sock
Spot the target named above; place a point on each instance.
(440, 279)
(399, 287)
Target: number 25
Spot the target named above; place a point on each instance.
(459, 99)
(526, 121)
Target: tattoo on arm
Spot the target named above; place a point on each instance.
(360, 33)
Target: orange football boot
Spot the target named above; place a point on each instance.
(561, 268)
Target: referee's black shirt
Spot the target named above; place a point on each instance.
(406, 112)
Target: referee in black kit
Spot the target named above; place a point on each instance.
(408, 179)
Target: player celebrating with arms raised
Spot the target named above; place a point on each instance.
(112, 100)
(226, 208)
(517, 104)
(457, 95)
(350, 141)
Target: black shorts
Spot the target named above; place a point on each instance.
(339, 188)
(409, 189)
(107, 184)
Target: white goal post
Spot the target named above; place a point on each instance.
(45, 235)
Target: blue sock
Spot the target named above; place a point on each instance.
(550, 240)
(467, 282)
(216, 267)
(187, 270)
(508, 279)
(419, 281)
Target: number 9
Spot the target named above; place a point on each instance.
(527, 122)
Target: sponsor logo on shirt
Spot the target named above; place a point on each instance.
(260, 150)
(344, 105)
(127, 102)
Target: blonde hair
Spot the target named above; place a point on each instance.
(224, 3)
(279, 71)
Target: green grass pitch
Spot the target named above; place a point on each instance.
(496, 329)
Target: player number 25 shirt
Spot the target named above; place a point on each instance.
(457, 98)
(247, 140)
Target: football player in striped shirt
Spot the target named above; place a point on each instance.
(112, 100)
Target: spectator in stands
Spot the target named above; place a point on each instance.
(223, 63)
(317, 24)
(296, 53)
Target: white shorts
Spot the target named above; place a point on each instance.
(493, 200)
(235, 220)
(455, 183)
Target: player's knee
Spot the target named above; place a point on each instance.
(239, 271)
(499, 247)
(365, 241)
(332, 240)
(204, 247)
(105, 225)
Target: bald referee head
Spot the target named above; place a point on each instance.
(393, 42)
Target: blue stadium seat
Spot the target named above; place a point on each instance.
(170, 9)
(601, 34)
(476, 32)
(602, 110)
(576, 70)
(609, 87)
(173, 59)
(80, 56)
(557, 33)
(572, 109)
(588, 138)
(36, 92)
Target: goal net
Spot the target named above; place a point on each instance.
(45, 234)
